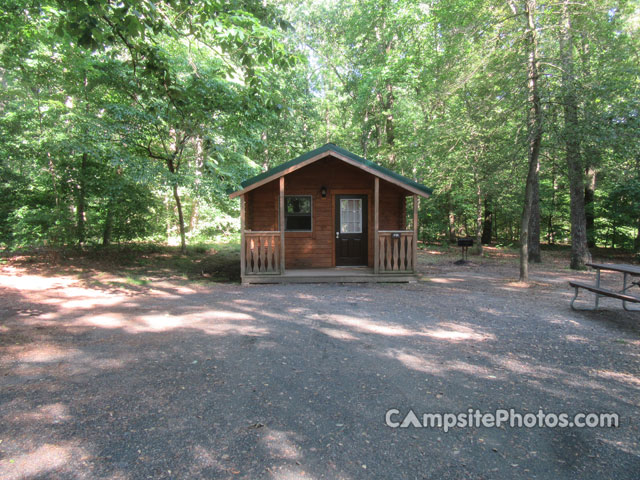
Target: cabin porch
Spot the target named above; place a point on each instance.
(332, 275)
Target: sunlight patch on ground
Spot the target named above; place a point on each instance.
(206, 459)
(627, 447)
(434, 366)
(110, 320)
(291, 473)
(16, 278)
(157, 323)
(280, 445)
(577, 339)
(338, 334)
(519, 367)
(446, 331)
(39, 462)
(90, 303)
(518, 285)
(52, 413)
(446, 280)
(625, 378)
(455, 332)
(41, 353)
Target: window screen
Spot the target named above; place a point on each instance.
(297, 213)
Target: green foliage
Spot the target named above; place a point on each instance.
(118, 116)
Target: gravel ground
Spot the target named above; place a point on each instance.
(100, 379)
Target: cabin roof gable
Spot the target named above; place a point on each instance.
(326, 150)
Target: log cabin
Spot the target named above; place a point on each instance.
(328, 216)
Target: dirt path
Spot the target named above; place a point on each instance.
(100, 378)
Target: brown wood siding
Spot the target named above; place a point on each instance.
(262, 207)
(392, 207)
(316, 249)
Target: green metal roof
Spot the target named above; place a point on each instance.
(330, 147)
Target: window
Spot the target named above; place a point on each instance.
(350, 215)
(297, 213)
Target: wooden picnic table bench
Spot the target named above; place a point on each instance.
(626, 270)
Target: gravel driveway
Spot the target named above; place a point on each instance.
(182, 380)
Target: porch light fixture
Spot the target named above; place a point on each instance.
(323, 192)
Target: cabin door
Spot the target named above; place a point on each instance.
(351, 230)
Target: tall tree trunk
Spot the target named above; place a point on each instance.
(589, 206)
(554, 185)
(487, 228)
(81, 203)
(366, 134)
(108, 226)
(452, 227)
(173, 165)
(265, 152)
(167, 204)
(579, 250)
(534, 220)
(451, 217)
(637, 242)
(183, 240)
(389, 126)
(534, 127)
(479, 218)
(327, 123)
(386, 104)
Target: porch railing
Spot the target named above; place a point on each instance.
(262, 254)
(396, 251)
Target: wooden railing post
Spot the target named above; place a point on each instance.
(243, 248)
(414, 259)
(262, 252)
(282, 226)
(376, 224)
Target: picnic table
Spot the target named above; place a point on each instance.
(626, 297)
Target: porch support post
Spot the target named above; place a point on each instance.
(243, 247)
(376, 224)
(414, 260)
(281, 221)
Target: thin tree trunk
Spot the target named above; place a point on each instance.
(534, 127)
(183, 241)
(389, 125)
(579, 250)
(173, 166)
(366, 134)
(327, 122)
(386, 104)
(108, 226)
(589, 206)
(451, 218)
(487, 228)
(479, 218)
(534, 220)
(167, 204)
(554, 184)
(81, 206)
(265, 158)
